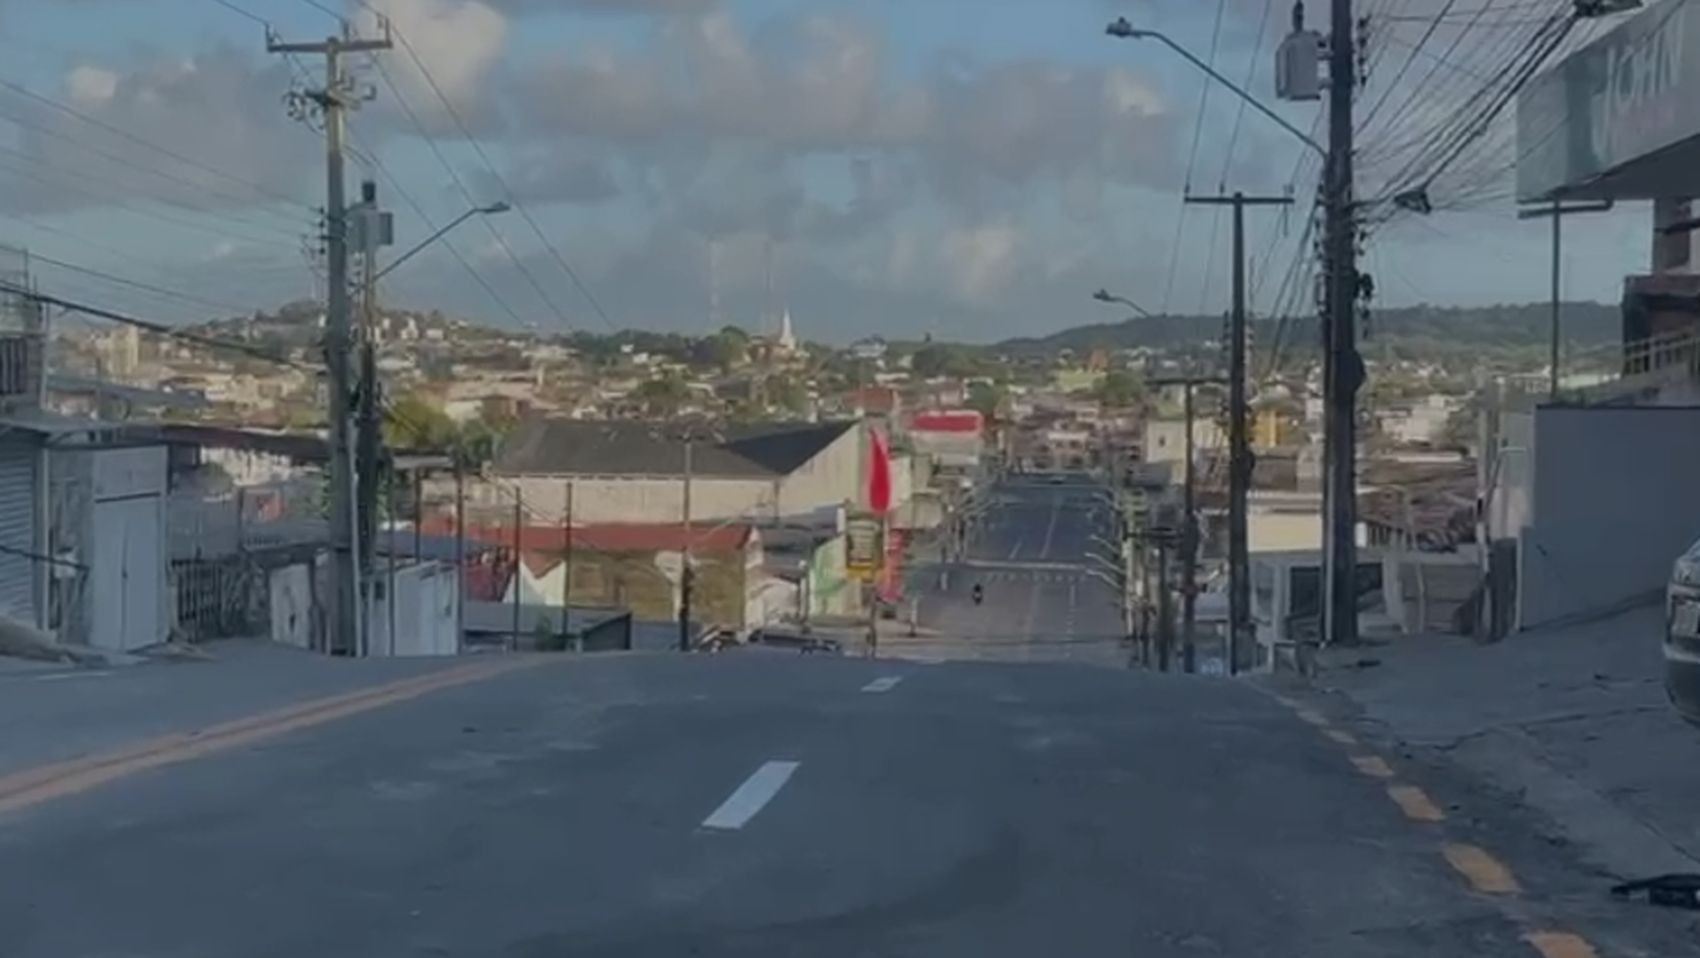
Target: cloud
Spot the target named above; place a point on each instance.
(457, 41)
(612, 7)
(824, 84)
(222, 108)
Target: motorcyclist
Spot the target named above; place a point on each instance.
(979, 593)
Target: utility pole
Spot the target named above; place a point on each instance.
(1189, 519)
(366, 227)
(1239, 446)
(332, 102)
(685, 573)
(567, 559)
(1344, 372)
(1558, 210)
(1165, 607)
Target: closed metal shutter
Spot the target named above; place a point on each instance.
(17, 531)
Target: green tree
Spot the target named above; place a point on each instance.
(662, 396)
(414, 422)
(1120, 389)
(987, 398)
(943, 359)
(726, 349)
(787, 393)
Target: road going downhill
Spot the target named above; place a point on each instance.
(761, 804)
(1029, 556)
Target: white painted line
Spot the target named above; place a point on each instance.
(882, 684)
(1051, 529)
(62, 676)
(752, 796)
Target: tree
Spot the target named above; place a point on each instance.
(414, 422)
(787, 393)
(943, 359)
(662, 396)
(725, 349)
(987, 398)
(1120, 389)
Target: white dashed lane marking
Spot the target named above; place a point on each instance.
(882, 684)
(751, 797)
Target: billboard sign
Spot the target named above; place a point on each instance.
(864, 537)
(1585, 126)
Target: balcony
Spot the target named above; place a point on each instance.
(20, 365)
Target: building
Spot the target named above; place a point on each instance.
(637, 567)
(641, 472)
(1165, 439)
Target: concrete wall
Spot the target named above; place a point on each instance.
(831, 478)
(1165, 439)
(1615, 499)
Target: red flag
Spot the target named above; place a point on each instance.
(879, 473)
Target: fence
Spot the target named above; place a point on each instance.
(219, 598)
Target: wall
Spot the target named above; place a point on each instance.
(1165, 439)
(831, 478)
(1613, 504)
(423, 609)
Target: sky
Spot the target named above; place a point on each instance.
(969, 169)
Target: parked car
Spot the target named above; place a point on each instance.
(1682, 635)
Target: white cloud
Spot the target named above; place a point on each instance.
(980, 260)
(458, 41)
(90, 85)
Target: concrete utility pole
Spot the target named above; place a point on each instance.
(1344, 369)
(686, 575)
(1239, 446)
(1557, 210)
(1189, 521)
(332, 102)
(368, 435)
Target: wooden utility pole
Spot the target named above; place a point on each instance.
(1239, 446)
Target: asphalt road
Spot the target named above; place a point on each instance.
(1029, 557)
(852, 807)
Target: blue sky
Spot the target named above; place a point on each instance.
(970, 168)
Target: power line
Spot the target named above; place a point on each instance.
(127, 206)
(196, 188)
(136, 283)
(162, 329)
(47, 101)
(495, 173)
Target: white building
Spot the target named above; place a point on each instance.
(635, 472)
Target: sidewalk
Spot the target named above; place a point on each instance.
(1573, 722)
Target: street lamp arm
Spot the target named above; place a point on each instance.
(1104, 296)
(1121, 28)
(427, 241)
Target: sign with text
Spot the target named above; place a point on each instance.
(864, 537)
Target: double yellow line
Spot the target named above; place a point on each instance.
(44, 783)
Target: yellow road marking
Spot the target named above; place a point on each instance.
(45, 783)
(1415, 803)
(1372, 765)
(1342, 738)
(1310, 716)
(1560, 944)
(1484, 872)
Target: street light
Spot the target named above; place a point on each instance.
(1123, 30)
(491, 210)
(1103, 296)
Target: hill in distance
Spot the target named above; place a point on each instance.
(1417, 332)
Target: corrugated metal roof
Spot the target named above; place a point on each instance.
(562, 447)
